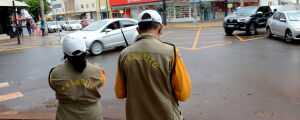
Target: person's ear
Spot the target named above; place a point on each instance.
(159, 29)
(138, 29)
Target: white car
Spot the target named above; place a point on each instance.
(53, 26)
(286, 24)
(73, 25)
(106, 34)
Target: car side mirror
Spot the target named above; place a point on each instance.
(282, 20)
(108, 30)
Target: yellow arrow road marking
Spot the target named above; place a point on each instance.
(2, 85)
(10, 96)
(29, 47)
(196, 38)
(240, 38)
(165, 34)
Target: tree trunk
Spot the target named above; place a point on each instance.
(43, 15)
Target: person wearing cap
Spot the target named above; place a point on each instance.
(77, 84)
(151, 75)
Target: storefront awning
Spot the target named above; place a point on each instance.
(8, 3)
(134, 5)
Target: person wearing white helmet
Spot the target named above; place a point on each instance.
(151, 75)
(77, 83)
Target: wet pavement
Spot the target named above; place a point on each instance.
(236, 77)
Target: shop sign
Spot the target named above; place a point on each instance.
(121, 11)
(124, 2)
(56, 6)
(70, 11)
(194, 1)
(181, 4)
(229, 5)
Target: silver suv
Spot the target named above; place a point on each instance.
(286, 24)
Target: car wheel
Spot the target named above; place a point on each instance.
(269, 33)
(288, 37)
(96, 48)
(251, 30)
(228, 31)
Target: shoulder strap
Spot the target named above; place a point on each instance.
(50, 76)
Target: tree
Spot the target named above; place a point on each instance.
(34, 8)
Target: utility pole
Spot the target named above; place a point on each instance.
(226, 7)
(107, 12)
(164, 13)
(242, 3)
(43, 14)
(16, 23)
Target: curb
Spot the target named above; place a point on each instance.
(173, 26)
(193, 26)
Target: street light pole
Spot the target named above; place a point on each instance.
(226, 7)
(101, 17)
(164, 13)
(58, 26)
(107, 12)
(16, 23)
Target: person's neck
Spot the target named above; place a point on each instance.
(152, 32)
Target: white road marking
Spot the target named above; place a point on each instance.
(10, 96)
(2, 85)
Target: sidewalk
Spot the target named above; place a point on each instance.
(205, 23)
(29, 42)
(53, 38)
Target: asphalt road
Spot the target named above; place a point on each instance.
(233, 77)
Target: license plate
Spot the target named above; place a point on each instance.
(231, 26)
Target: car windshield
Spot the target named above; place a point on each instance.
(51, 23)
(247, 10)
(295, 16)
(60, 22)
(91, 20)
(74, 22)
(95, 26)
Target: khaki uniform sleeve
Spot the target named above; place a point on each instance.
(103, 78)
(181, 81)
(120, 85)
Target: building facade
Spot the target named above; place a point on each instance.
(86, 9)
(58, 9)
(179, 10)
(105, 11)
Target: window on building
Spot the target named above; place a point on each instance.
(93, 5)
(81, 6)
(87, 5)
(182, 11)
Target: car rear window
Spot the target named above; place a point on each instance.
(294, 16)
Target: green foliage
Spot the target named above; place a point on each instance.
(34, 8)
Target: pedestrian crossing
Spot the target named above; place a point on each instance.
(9, 96)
